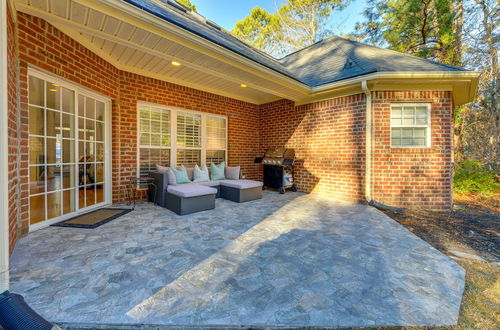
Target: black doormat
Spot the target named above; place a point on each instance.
(93, 219)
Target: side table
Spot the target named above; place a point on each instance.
(133, 187)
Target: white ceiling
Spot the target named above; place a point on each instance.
(128, 45)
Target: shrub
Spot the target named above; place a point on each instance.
(471, 177)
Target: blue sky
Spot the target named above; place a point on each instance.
(227, 12)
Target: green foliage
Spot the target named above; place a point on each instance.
(295, 25)
(472, 177)
(188, 4)
(259, 30)
(424, 28)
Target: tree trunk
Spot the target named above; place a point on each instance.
(458, 30)
(491, 103)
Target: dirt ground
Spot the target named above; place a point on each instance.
(472, 227)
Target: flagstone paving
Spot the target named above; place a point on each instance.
(285, 260)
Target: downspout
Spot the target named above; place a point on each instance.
(369, 153)
(4, 209)
(368, 141)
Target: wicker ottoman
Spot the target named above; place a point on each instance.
(240, 190)
(189, 198)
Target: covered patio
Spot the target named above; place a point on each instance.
(285, 260)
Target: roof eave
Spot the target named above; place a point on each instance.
(463, 84)
(194, 41)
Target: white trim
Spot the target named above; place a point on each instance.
(79, 90)
(4, 146)
(40, 73)
(173, 131)
(428, 131)
(465, 75)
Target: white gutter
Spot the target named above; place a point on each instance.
(438, 75)
(368, 141)
(4, 206)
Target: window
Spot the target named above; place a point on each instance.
(188, 139)
(154, 138)
(410, 126)
(169, 136)
(216, 139)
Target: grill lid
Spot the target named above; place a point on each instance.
(277, 156)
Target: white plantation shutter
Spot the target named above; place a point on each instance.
(172, 136)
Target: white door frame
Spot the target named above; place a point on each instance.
(107, 143)
(4, 140)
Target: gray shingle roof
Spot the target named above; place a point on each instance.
(336, 58)
(329, 60)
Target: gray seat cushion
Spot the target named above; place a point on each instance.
(241, 184)
(191, 190)
(210, 183)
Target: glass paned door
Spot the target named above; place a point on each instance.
(90, 151)
(66, 160)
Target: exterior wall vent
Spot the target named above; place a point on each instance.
(178, 6)
(212, 24)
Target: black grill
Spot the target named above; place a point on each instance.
(278, 168)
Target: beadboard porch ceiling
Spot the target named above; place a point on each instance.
(131, 43)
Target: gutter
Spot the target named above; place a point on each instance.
(436, 75)
(368, 141)
(4, 209)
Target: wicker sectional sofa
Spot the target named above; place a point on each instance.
(200, 196)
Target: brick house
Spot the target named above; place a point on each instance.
(115, 87)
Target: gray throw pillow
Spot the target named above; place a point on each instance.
(189, 171)
(161, 169)
(170, 174)
(232, 172)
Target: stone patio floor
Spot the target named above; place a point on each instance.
(285, 260)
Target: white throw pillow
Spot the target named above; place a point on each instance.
(200, 174)
(171, 177)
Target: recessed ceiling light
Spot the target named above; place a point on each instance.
(243, 85)
(53, 90)
(175, 63)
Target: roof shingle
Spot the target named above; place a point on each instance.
(329, 60)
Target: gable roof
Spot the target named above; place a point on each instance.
(326, 61)
(336, 58)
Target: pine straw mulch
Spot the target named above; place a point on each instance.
(473, 226)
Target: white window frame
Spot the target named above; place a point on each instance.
(173, 131)
(426, 126)
(34, 71)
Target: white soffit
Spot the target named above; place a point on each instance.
(134, 49)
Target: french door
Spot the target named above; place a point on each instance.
(68, 158)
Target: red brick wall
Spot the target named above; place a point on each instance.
(45, 47)
(13, 128)
(415, 178)
(328, 138)
(243, 124)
